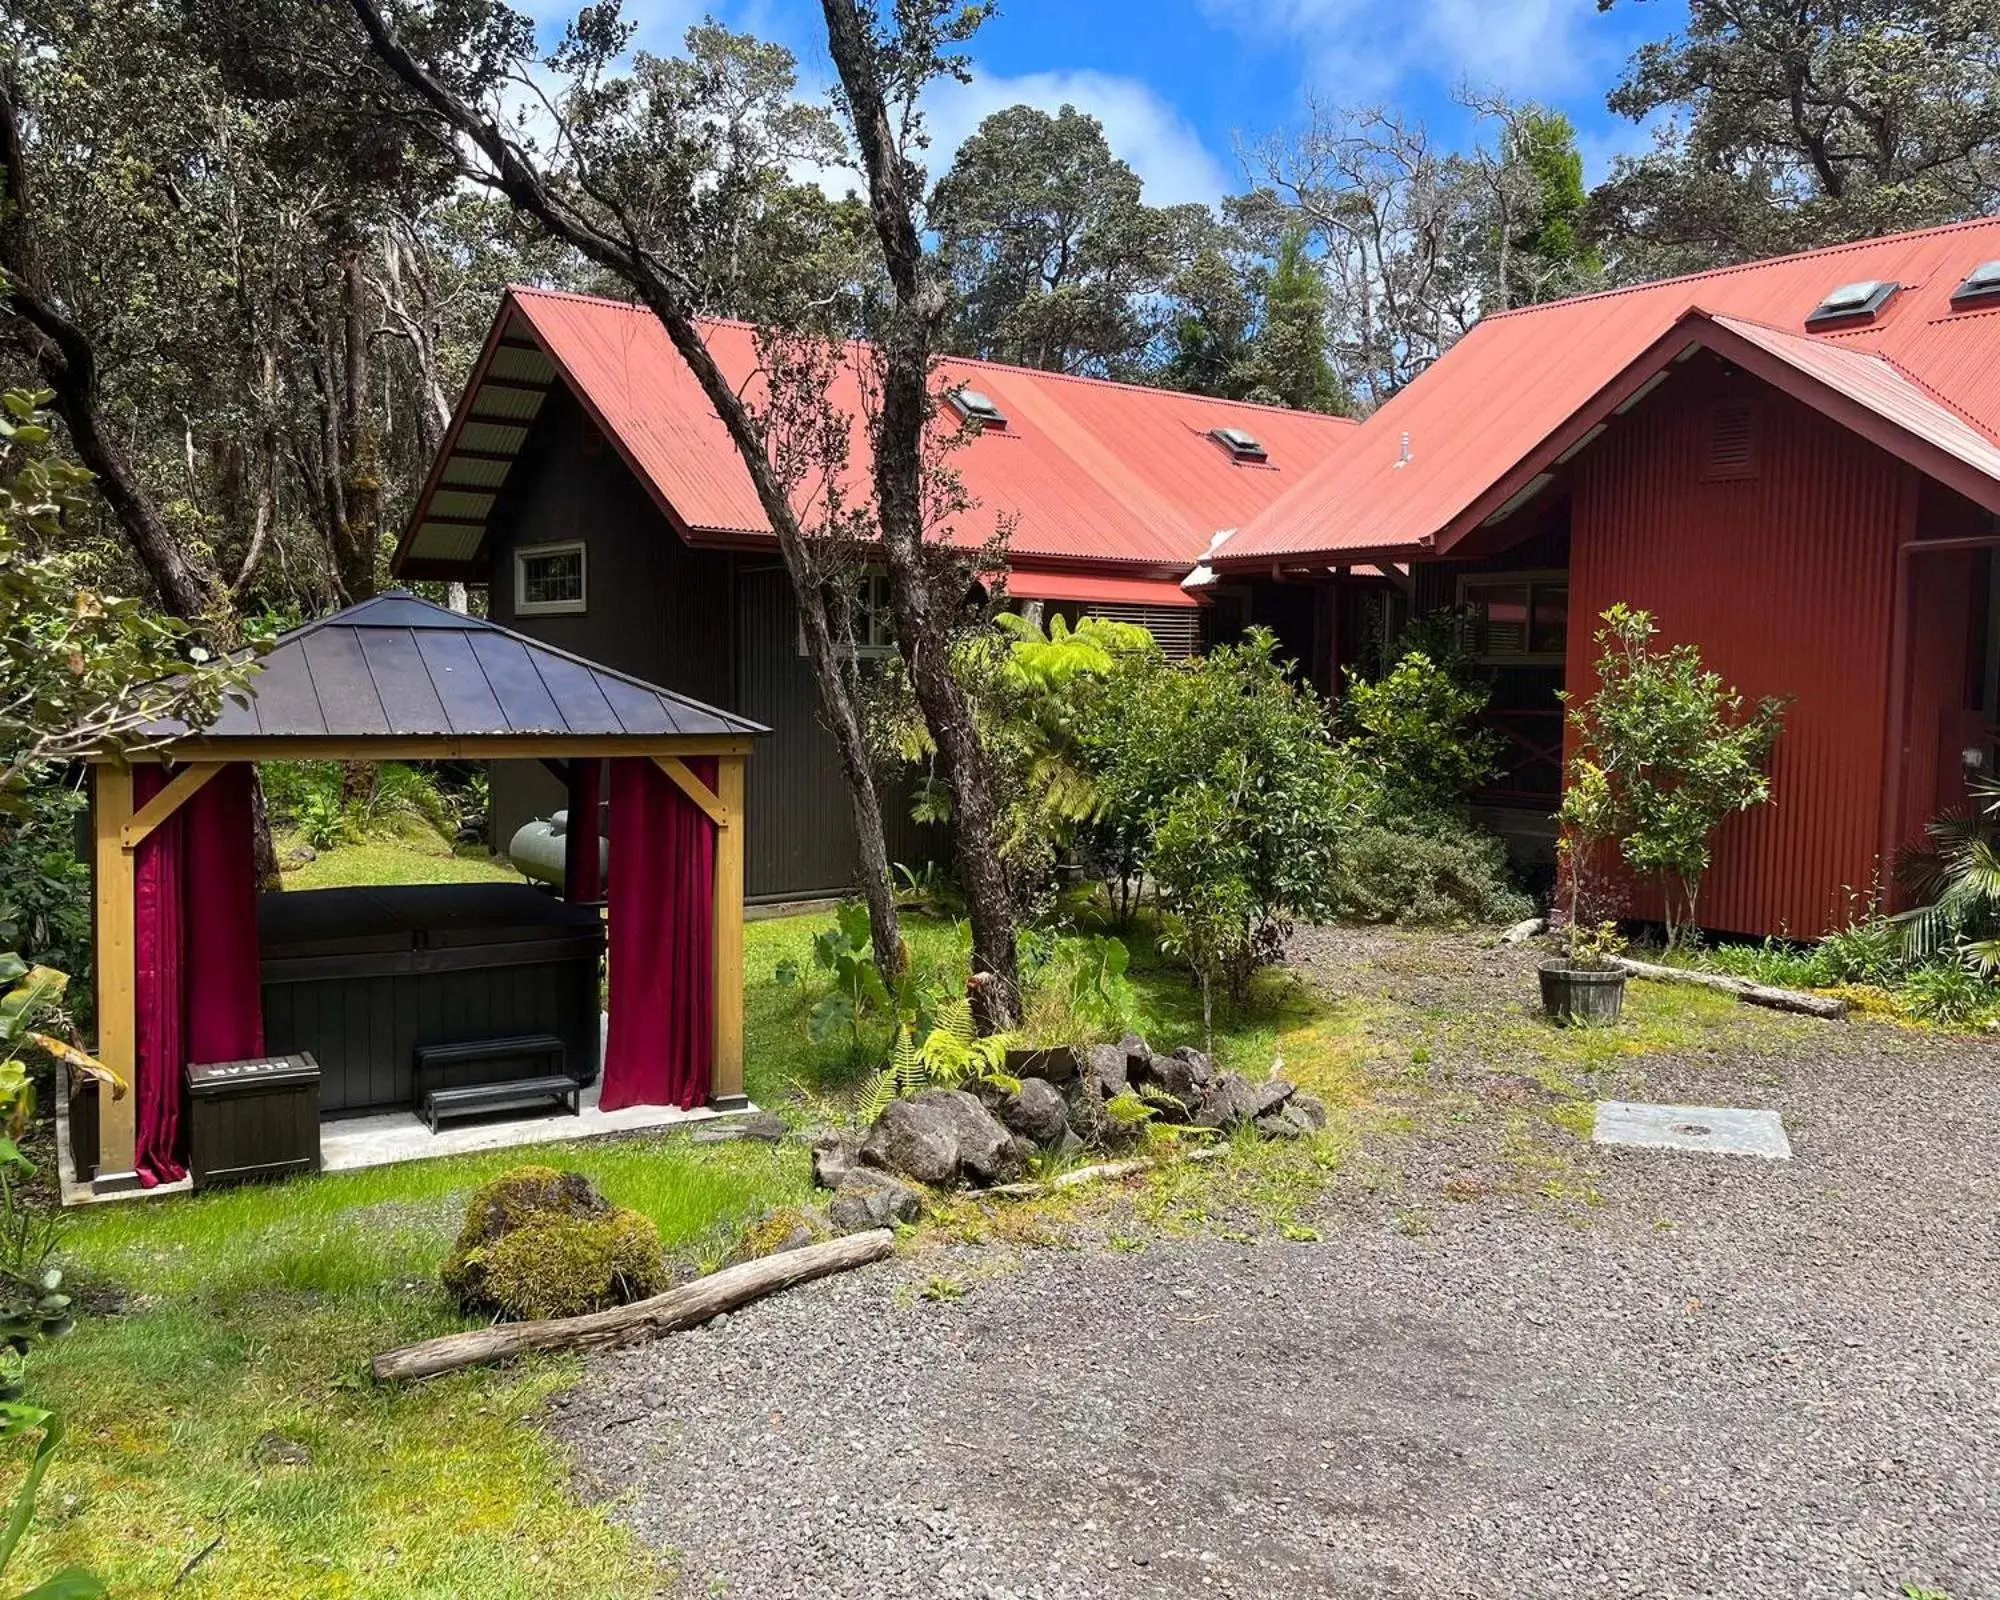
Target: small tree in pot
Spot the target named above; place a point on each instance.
(1582, 984)
(1664, 753)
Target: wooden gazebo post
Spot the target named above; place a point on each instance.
(725, 1083)
(112, 885)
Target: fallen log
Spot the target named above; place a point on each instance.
(685, 1307)
(1522, 932)
(1829, 1007)
(1097, 1174)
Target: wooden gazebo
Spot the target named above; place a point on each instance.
(397, 678)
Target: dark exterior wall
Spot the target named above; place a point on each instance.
(1523, 710)
(1950, 698)
(717, 625)
(1783, 578)
(801, 835)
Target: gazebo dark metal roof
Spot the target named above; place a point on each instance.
(397, 667)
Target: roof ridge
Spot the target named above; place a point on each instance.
(1734, 268)
(982, 362)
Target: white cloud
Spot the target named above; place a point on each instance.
(1360, 50)
(1141, 128)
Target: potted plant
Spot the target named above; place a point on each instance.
(1582, 984)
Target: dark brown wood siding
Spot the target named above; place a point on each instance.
(714, 624)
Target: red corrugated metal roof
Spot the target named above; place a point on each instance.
(1084, 470)
(1027, 585)
(1513, 382)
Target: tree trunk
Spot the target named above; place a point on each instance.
(358, 536)
(688, 1306)
(902, 474)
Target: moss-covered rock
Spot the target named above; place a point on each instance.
(558, 1266)
(542, 1243)
(781, 1228)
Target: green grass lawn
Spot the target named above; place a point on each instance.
(422, 857)
(219, 1329)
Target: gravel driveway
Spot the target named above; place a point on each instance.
(1732, 1378)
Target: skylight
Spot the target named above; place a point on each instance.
(1240, 445)
(1853, 302)
(975, 406)
(1981, 283)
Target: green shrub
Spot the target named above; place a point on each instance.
(44, 887)
(1947, 991)
(1445, 876)
(542, 1243)
(1666, 752)
(1413, 728)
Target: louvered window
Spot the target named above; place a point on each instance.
(1176, 628)
(1732, 441)
(1515, 617)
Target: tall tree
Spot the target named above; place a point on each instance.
(884, 67)
(1053, 256)
(1286, 363)
(1417, 241)
(1793, 123)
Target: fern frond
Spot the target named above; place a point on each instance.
(880, 1094)
(1126, 1109)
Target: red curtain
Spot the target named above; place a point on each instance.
(195, 922)
(662, 937)
(582, 870)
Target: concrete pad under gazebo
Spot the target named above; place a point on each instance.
(182, 974)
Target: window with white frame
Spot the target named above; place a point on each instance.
(1515, 616)
(874, 621)
(549, 579)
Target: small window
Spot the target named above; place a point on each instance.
(548, 579)
(978, 408)
(874, 620)
(1241, 445)
(1516, 616)
(1981, 286)
(1854, 302)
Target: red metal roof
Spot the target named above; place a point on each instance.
(1083, 470)
(1491, 409)
(1023, 584)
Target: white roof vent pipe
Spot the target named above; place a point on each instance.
(1403, 460)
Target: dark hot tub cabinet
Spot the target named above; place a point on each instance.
(366, 979)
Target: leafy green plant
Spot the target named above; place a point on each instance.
(1444, 873)
(1956, 873)
(1415, 729)
(321, 821)
(1947, 991)
(84, 671)
(21, 1421)
(1665, 752)
(950, 1055)
(1235, 800)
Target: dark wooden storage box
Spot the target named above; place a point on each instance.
(364, 978)
(251, 1121)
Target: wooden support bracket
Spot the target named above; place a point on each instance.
(691, 786)
(180, 789)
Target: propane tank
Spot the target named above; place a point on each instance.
(537, 851)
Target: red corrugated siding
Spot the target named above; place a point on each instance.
(1784, 580)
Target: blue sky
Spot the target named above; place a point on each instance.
(1179, 84)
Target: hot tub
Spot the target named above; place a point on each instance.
(364, 978)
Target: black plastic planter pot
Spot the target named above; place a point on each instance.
(1593, 996)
